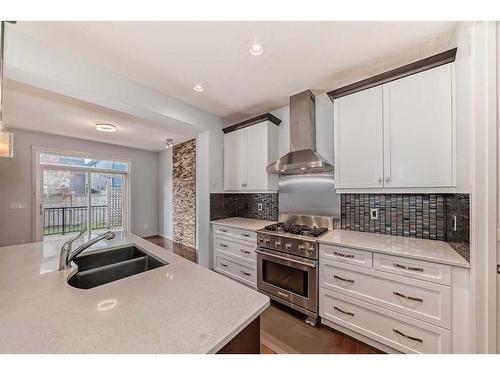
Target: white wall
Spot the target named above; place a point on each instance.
(16, 177)
(165, 180)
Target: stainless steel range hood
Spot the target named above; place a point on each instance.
(303, 157)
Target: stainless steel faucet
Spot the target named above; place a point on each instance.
(66, 255)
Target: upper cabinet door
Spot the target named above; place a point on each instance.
(419, 130)
(256, 158)
(234, 160)
(358, 143)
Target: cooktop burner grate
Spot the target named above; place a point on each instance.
(303, 230)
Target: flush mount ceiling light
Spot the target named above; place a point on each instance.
(6, 138)
(169, 143)
(198, 88)
(105, 127)
(256, 49)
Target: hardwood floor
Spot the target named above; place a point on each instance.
(283, 331)
(179, 249)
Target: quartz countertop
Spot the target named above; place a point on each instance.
(243, 223)
(416, 248)
(178, 308)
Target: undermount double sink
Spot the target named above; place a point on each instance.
(110, 265)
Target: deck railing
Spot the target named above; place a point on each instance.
(62, 220)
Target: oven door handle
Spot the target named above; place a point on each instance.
(307, 264)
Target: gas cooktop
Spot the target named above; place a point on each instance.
(298, 229)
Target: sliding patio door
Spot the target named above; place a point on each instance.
(72, 197)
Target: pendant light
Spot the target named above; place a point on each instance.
(6, 138)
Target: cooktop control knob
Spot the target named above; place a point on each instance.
(267, 240)
(288, 246)
(277, 244)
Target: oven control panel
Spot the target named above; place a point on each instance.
(295, 246)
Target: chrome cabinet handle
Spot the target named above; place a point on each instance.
(343, 312)
(223, 230)
(342, 279)
(223, 265)
(408, 297)
(245, 235)
(417, 269)
(387, 179)
(245, 273)
(244, 185)
(223, 245)
(245, 251)
(350, 256)
(380, 180)
(406, 336)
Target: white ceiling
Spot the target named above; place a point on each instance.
(31, 108)
(173, 56)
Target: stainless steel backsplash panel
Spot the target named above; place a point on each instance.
(310, 194)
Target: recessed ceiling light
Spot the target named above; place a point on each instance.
(256, 49)
(198, 88)
(105, 127)
(169, 143)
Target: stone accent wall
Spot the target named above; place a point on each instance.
(184, 193)
(244, 205)
(429, 216)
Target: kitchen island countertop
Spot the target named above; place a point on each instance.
(178, 308)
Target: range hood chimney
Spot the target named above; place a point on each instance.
(302, 157)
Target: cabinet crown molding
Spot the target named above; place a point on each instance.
(252, 121)
(403, 71)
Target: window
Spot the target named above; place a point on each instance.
(79, 192)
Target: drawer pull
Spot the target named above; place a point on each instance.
(350, 256)
(245, 273)
(223, 230)
(245, 251)
(245, 235)
(406, 336)
(343, 312)
(223, 265)
(408, 297)
(342, 279)
(223, 245)
(416, 269)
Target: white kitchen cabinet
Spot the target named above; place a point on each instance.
(234, 253)
(234, 160)
(402, 304)
(247, 153)
(418, 130)
(398, 135)
(359, 151)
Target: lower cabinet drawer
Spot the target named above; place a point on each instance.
(244, 251)
(234, 269)
(219, 229)
(246, 235)
(418, 299)
(418, 269)
(346, 255)
(400, 332)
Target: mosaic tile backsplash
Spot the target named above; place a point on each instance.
(223, 205)
(428, 216)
